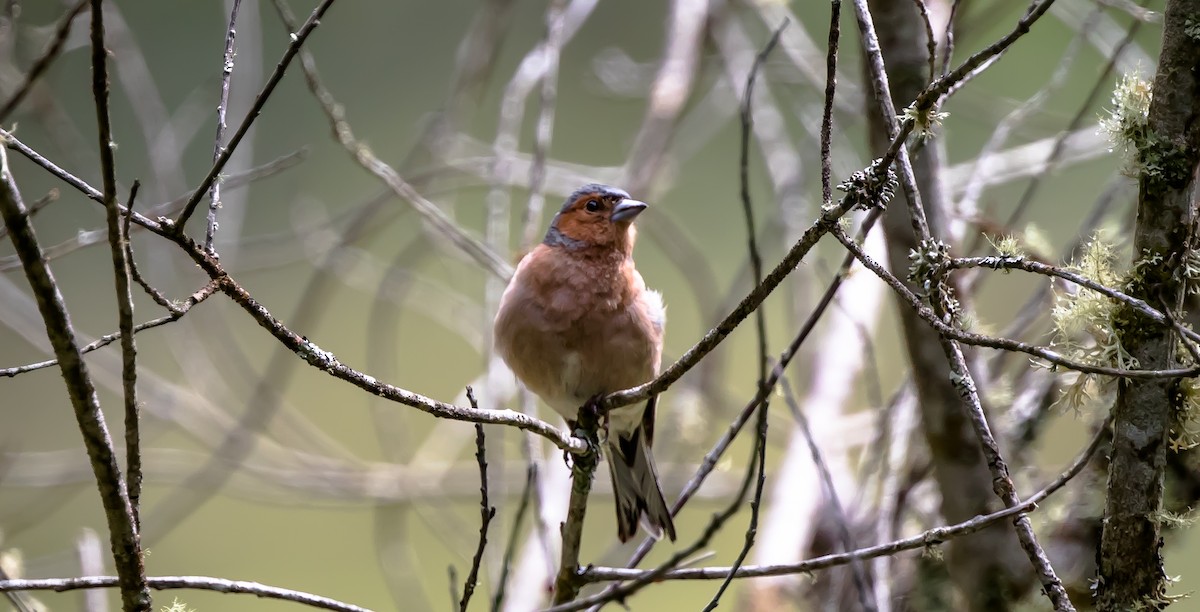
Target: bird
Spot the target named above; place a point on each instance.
(576, 322)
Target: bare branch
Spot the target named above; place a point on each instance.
(118, 239)
(202, 583)
(123, 533)
(583, 466)
(298, 39)
(486, 511)
(831, 61)
(222, 107)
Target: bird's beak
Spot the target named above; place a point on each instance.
(627, 210)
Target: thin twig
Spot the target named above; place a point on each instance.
(486, 511)
(1019, 263)
(222, 107)
(865, 598)
(201, 583)
(760, 321)
(930, 38)
(510, 548)
(831, 61)
(42, 63)
(42, 202)
(108, 339)
(134, 593)
(925, 539)
(298, 38)
(118, 238)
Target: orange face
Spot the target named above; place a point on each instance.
(597, 215)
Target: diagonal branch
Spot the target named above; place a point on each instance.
(298, 39)
(61, 32)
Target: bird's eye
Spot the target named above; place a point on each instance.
(592, 205)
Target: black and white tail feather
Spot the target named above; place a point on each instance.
(635, 484)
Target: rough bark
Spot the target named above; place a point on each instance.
(1131, 569)
(988, 567)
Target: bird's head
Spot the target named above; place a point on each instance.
(595, 216)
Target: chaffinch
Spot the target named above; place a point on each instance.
(577, 322)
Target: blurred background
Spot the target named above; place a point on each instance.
(259, 467)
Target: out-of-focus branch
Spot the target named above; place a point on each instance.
(61, 32)
(436, 217)
(551, 51)
(91, 563)
(510, 548)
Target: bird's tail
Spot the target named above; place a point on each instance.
(635, 486)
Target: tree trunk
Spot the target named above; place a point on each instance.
(1131, 568)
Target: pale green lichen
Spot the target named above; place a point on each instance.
(177, 606)
(1127, 122)
(1084, 323)
(925, 122)
(1008, 245)
(1175, 520)
(1185, 434)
